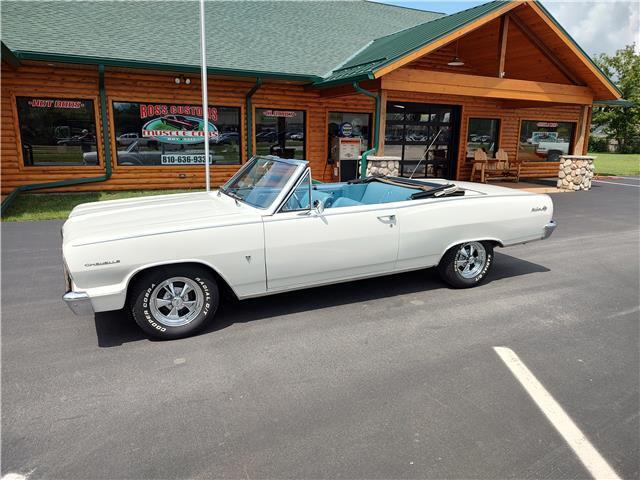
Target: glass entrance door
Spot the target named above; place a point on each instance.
(425, 137)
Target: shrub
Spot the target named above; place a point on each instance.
(631, 146)
(598, 144)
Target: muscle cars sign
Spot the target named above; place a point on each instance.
(176, 124)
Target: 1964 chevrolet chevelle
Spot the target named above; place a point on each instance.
(269, 229)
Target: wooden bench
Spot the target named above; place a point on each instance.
(499, 168)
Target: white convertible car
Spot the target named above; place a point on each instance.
(270, 229)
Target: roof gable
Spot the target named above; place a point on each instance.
(388, 53)
(480, 51)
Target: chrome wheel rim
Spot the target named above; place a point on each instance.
(470, 259)
(176, 301)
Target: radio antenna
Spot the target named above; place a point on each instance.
(205, 97)
(426, 153)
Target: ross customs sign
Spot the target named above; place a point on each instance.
(177, 124)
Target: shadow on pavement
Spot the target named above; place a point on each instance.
(115, 328)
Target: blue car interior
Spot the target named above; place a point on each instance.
(335, 195)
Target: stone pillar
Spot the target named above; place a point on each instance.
(389, 166)
(576, 172)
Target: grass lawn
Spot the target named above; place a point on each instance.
(56, 206)
(623, 164)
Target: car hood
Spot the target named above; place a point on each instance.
(119, 219)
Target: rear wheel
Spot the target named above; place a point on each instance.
(174, 301)
(465, 265)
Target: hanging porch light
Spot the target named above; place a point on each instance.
(456, 61)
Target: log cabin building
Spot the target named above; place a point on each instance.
(106, 95)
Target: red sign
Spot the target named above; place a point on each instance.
(46, 103)
(158, 109)
(547, 124)
(279, 113)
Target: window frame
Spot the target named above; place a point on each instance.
(100, 140)
(111, 99)
(307, 173)
(254, 129)
(456, 111)
(571, 141)
(465, 140)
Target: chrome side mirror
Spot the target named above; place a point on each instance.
(318, 207)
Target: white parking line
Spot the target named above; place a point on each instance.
(580, 444)
(616, 183)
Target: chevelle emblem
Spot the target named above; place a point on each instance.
(539, 209)
(100, 264)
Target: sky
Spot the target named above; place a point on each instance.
(598, 27)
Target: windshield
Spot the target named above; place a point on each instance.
(260, 182)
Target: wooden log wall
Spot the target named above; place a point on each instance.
(65, 81)
(510, 118)
(41, 81)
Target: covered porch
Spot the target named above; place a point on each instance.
(506, 80)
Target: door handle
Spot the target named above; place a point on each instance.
(387, 218)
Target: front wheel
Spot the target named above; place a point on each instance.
(465, 265)
(174, 301)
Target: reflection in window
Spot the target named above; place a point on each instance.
(150, 134)
(544, 140)
(422, 136)
(483, 134)
(280, 132)
(57, 131)
(260, 181)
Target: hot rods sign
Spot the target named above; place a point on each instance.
(177, 124)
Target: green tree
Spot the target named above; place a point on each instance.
(623, 124)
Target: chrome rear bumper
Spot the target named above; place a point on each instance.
(549, 228)
(78, 302)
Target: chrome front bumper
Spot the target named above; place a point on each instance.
(549, 228)
(78, 302)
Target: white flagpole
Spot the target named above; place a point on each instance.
(205, 96)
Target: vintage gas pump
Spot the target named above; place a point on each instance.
(345, 155)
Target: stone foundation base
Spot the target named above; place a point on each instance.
(389, 166)
(576, 172)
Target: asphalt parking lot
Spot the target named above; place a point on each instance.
(393, 377)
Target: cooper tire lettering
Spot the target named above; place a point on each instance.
(450, 274)
(144, 287)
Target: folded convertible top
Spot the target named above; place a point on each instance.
(426, 189)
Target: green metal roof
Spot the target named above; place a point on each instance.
(388, 48)
(293, 39)
(621, 102)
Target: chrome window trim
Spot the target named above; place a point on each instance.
(286, 199)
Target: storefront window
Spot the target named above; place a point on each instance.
(424, 136)
(542, 141)
(57, 131)
(151, 134)
(354, 125)
(483, 133)
(280, 132)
